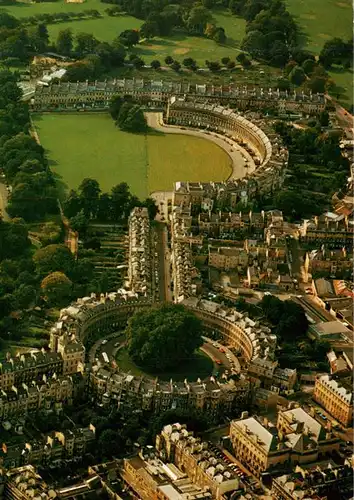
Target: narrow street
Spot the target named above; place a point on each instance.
(163, 264)
(295, 259)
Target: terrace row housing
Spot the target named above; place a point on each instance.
(50, 393)
(338, 262)
(196, 458)
(96, 94)
(128, 392)
(258, 257)
(140, 266)
(24, 483)
(316, 483)
(57, 445)
(29, 367)
(152, 479)
(335, 231)
(336, 397)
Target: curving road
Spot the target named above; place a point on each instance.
(117, 339)
(236, 153)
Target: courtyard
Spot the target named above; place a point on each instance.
(81, 145)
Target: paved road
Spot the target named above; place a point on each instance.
(163, 263)
(110, 348)
(3, 201)
(214, 354)
(235, 152)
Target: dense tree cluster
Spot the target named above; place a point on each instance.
(271, 31)
(313, 152)
(33, 196)
(288, 317)
(336, 51)
(95, 57)
(17, 282)
(88, 202)
(290, 324)
(22, 160)
(162, 18)
(26, 278)
(57, 288)
(130, 116)
(18, 41)
(163, 337)
(60, 17)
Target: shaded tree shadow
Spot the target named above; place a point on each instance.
(62, 187)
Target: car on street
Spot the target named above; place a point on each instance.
(218, 362)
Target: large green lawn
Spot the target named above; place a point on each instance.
(322, 20)
(105, 28)
(199, 48)
(27, 8)
(89, 145)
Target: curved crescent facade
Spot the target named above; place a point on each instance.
(257, 137)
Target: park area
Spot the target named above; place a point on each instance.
(107, 28)
(319, 22)
(198, 366)
(90, 145)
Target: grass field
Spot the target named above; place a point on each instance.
(343, 89)
(199, 366)
(320, 21)
(105, 28)
(27, 8)
(200, 49)
(80, 146)
(323, 20)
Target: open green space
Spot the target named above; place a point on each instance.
(107, 28)
(28, 8)
(201, 49)
(323, 20)
(343, 89)
(104, 29)
(319, 22)
(182, 46)
(89, 145)
(199, 366)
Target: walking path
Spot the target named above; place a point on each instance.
(234, 151)
(3, 202)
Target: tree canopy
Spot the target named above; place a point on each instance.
(163, 337)
(90, 203)
(56, 287)
(53, 258)
(131, 118)
(287, 316)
